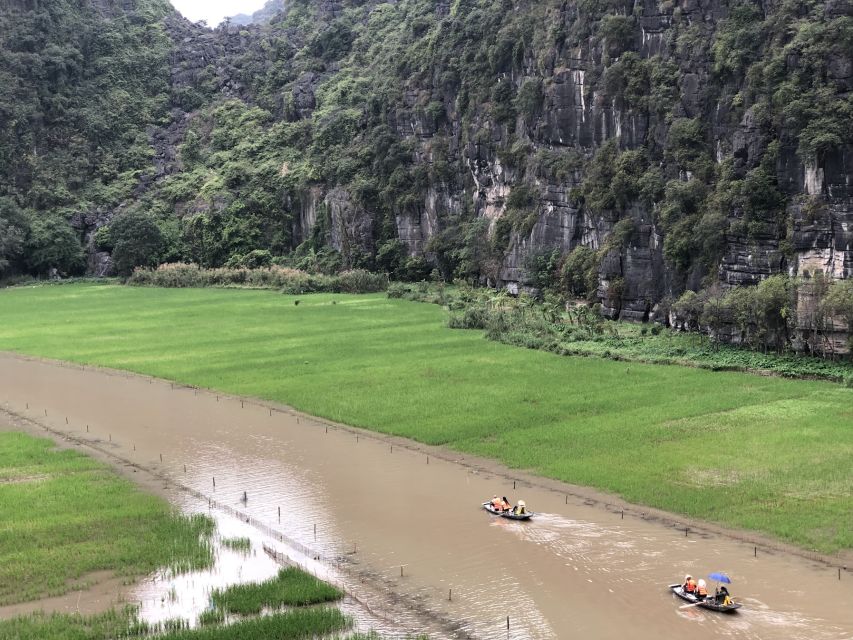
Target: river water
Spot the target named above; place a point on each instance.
(400, 527)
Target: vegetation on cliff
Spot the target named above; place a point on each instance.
(417, 135)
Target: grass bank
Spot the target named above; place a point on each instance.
(64, 515)
(289, 625)
(767, 454)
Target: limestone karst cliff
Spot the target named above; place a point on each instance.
(678, 144)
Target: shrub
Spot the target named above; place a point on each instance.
(290, 281)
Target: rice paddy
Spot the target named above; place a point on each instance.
(742, 450)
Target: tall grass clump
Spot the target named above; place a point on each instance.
(292, 281)
(211, 617)
(291, 587)
(65, 515)
(237, 544)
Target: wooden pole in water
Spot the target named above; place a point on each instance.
(513, 484)
(185, 468)
(623, 514)
(279, 514)
(401, 571)
(507, 623)
(45, 412)
(214, 482)
(66, 419)
(161, 457)
(755, 552)
(87, 428)
(241, 404)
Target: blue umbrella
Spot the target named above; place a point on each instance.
(720, 577)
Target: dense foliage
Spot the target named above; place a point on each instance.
(421, 136)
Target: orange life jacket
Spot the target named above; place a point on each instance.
(690, 587)
(702, 591)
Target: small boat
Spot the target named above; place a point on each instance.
(708, 603)
(509, 515)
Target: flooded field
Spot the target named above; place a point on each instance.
(400, 529)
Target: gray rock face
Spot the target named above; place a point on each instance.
(579, 112)
(351, 226)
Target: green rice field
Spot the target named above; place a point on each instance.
(762, 453)
(64, 516)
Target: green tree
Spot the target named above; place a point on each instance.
(136, 240)
(53, 244)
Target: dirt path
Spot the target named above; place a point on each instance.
(371, 508)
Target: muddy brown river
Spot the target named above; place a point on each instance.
(399, 526)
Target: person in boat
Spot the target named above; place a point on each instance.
(701, 590)
(505, 504)
(520, 509)
(496, 502)
(722, 596)
(688, 586)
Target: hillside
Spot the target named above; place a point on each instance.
(635, 149)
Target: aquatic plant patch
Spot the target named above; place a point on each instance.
(291, 587)
(64, 515)
(237, 544)
(647, 432)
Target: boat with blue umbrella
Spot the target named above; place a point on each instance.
(720, 601)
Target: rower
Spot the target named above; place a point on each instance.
(688, 586)
(505, 504)
(701, 590)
